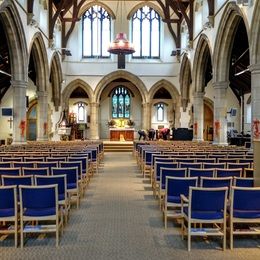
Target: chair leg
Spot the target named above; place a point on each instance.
(225, 235)
(57, 232)
(231, 234)
(189, 236)
(16, 233)
(21, 238)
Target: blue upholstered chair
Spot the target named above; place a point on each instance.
(34, 159)
(168, 172)
(229, 172)
(244, 182)
(206, 160)
(190, 165)
(10, 171)
(8, 180)
(5, 165)
(175, 186)
(23, 164)
(72, 181)
(8, 210)
(61, 181)
(12, 159)
(35, 171)
(49, 165)
(214, 165)
(193, 172)
(205, 205)
(245, 208)
(40, 203)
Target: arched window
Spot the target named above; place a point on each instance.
(121, 103)
(146, 33)
(81, 112)
(96, 35)
(160, 112)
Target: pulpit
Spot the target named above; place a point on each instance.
(117, 134)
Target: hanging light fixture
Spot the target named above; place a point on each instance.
(121, 46)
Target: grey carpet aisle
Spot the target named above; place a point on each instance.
(120, 219)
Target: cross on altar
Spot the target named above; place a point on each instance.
(10, 121)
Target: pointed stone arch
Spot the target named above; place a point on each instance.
(150, 4)
(88, 5)
(120, 74)
(185, 81)
(224, 41)
(71, 87)
(56, 80)
(13, 27)
(202, 54)
(255, 35)
(38, 50)
(174, 94)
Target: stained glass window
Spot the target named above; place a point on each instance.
(160, 112)
(81, 112)
(121, 103)
(146, 33)
(96, 36)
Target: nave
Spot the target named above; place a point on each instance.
(120, 219)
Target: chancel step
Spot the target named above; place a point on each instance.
(113, 146)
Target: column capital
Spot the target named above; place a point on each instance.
(94, 104)
(41, 93)
(221, 84)
(199, 94)
(19, 83)
(254, 68)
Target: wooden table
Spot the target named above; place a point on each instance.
(126, 133)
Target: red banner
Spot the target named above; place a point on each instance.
(217, 128)
(22, 126)
(256, 128)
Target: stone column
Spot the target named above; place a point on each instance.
(220, 113)
(255, 101)
(146, 116)
(19, 113)
(42, 116)
(94, 123)
(198, 116)
(255, 125)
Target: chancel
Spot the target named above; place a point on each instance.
(82, 81)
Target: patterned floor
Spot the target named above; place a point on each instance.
(119, 219)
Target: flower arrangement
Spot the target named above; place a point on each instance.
(111, 123)
(130, 122)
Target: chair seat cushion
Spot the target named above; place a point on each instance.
(246, 213)
(40, 212)
(204, 214)
(71, 186)
(61, 197)
(174, 199)
(6, 212)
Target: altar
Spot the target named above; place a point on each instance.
(119, 134)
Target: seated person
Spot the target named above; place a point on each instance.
(142, 133)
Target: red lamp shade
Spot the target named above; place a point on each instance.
(121, 45)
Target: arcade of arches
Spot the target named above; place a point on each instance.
(214, 70)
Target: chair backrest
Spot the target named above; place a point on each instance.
(60, 180)
(208, 199)
(84, 162)
(249, 172)
(55, 159)
(39, 197)
(159, 165)
(49, 165)
(206, 160)
(243, 182)
(229, 172)
(171, 172)
(34, 159)
(238, 165)
(185, 160)
(5, 165)
(214, 165)
(77, 164)
(8, 180)
(10, 171)
(190, 165)
(227, 160)
(36, 171)
(245, 199)
(23, 164)
(193, 172)
(71, 173)
(208, 182)
(12, 159)
(8, 200)
(176, 186)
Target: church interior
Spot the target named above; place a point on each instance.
(122, 111)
